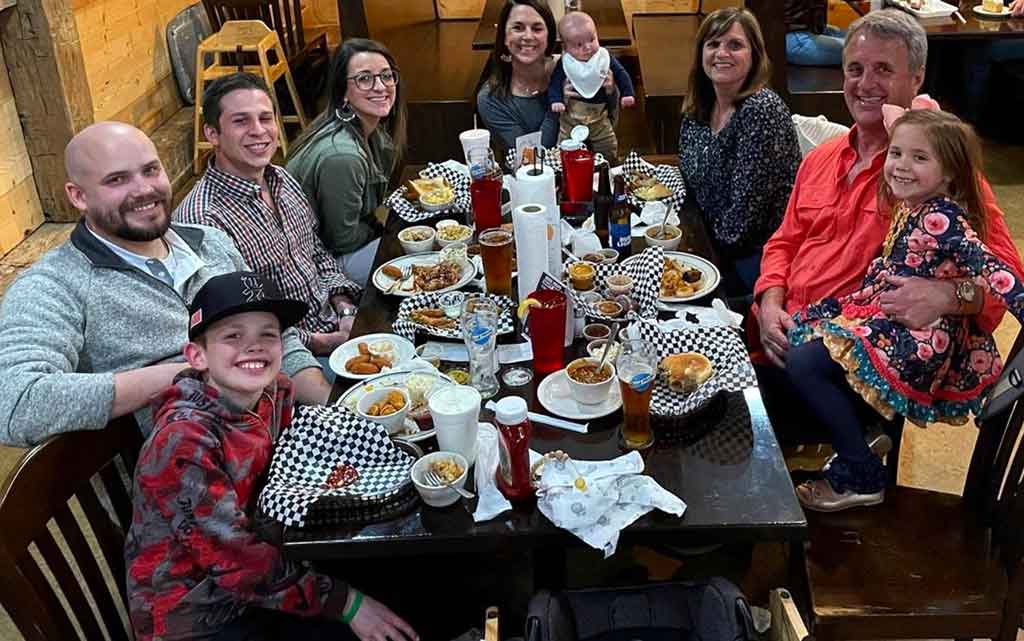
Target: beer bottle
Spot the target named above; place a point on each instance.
(620, 235)
(603, 201)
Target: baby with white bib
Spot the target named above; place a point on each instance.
(585, 64)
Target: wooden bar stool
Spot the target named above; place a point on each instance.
(240, 37)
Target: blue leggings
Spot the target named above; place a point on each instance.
(821, 383)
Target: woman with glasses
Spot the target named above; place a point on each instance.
(346, 157)
(738, 150)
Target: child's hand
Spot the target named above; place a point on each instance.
(558, 107)
(628, 101)
(374, 621)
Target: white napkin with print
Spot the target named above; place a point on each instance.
(615, 495)
(587, 77)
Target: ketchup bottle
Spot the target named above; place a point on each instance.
(513, 473)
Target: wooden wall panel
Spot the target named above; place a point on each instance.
(124, 50)
(20, 210)
(20, 214)
(460, 9)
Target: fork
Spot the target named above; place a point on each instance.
(406, 273)
(434, 479)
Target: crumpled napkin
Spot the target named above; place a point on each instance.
(490, 501)
(615, 495)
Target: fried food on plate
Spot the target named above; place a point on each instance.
(646, 187)
(432, 318)
(430, 278)
(678, 279)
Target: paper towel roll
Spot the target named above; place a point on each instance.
(529, 224)
(538, 187)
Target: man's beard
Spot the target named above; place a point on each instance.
(117, 225)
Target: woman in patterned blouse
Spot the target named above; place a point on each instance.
(738, 150)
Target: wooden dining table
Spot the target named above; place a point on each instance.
(607, 14)
(724, 462)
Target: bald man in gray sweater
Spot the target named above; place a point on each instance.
(96, 327)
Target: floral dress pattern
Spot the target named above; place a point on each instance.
(937, 373)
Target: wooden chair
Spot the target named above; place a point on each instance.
(239, 38)
(926, 564)
(306, 58)
(66, 499)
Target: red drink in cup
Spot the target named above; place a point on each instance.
(485, 188)
(577, 172)
(547, 331)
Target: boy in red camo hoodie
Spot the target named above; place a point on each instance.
(196, 566)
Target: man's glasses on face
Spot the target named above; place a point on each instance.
(366, 80)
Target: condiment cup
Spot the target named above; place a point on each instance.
(393, 423)
(619, 284)
(594, 331)
(653, 237)
(589, 393)
(609, 255)
(582, 275)
(596, 347)
(467, 233)
(432, 495)
(416, 246)
(610, 308)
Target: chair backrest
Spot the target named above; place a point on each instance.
(283, 16)
(65, 511)
(995, 478)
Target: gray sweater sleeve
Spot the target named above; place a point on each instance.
(40, 340)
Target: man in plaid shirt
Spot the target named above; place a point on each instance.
(264, 210)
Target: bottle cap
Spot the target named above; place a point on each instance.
(579, 133)
(570, 145)
(510, 410)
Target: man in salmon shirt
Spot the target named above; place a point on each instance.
(832, 228)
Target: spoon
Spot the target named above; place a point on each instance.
(608, 346)
(661, 230)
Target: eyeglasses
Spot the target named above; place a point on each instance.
(366, 80)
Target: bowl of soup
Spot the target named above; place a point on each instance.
(588, 384)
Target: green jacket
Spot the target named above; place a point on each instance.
(346, 179)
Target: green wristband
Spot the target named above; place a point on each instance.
(350, 614)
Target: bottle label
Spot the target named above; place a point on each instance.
(620, 235)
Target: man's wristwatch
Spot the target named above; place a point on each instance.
(965, 294)
(347, 311)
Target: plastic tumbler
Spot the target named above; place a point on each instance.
(546, 324)
(577, 172)
(485, 188)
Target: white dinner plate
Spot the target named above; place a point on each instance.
(982, 11)
(708, 284)
(351, 396)
(404, 351)
(383, 283)
(556, 397)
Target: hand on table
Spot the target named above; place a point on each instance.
(376, 622)
(322, 344)
(917, 302)
(558, 107)
(774, 322)
(1017, 8)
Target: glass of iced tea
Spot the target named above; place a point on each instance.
(496, 250)
(547, 331)
(484, 188)
(637, 366)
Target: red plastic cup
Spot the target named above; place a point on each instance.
(485, 194)
(547, 331)
(577, 172)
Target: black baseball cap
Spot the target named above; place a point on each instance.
(238, 292)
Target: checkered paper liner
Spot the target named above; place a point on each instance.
(723, 347)
(411, 212)
(319, 439)
(404, 325)
(645, 271)
(667, 175)
(552, 158)
(731, 442)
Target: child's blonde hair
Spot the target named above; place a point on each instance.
(958, 151)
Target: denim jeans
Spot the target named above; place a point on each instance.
(815, 49)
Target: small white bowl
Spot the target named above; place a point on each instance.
(672, 242)
(433, 207)
(467, 233)
(393, 423)
(438, 496)
(417, 246)
(589, 393)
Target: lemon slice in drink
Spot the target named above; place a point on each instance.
(525, 306)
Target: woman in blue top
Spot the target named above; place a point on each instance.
(738, 150)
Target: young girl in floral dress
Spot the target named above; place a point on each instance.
(848, 359)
